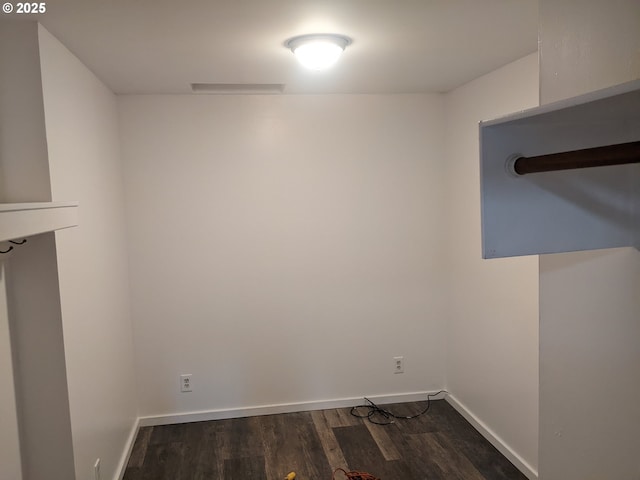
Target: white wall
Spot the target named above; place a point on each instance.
(22, 131)
(284, 248)
(492, 330)
(589, 302)
(587, 45)
(589, 357)
(84, 160)
(42, 399)
(10, 460)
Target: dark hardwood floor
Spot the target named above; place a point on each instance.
(438, 445)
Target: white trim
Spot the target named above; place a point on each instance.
(124, 459)
(494, 439)
(220, 414)
(20, 207)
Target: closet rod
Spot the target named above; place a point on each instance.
(621, 154)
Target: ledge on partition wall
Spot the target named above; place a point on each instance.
(571, 193)
(20, 220)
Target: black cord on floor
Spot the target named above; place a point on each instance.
(380, 416)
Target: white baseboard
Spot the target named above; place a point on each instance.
(495, 440)
(280, 408)
(124, 459)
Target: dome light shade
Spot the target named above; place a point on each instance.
(319, 51)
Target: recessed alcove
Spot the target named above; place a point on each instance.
(569, 210)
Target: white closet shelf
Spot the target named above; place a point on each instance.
(19, 220)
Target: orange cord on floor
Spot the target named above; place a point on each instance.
(355, 475)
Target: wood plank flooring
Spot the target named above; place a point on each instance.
(436, 446)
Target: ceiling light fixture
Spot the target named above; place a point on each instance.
(318, 51)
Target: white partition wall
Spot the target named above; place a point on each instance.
(589, 301)
(33, 306)
(10, 461)
(589, 357)
(41, 379)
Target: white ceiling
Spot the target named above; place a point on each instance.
(399, 46)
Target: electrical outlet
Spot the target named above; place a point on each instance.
(398, 364)
(185, 382)
(96, 470)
